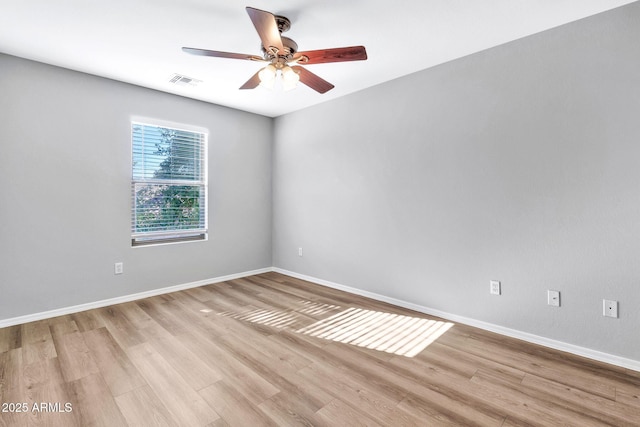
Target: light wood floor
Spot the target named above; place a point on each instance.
(267, 350)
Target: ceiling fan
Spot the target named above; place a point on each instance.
(282, 55)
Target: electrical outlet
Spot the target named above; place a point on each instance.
(299, 251)
(609, 308)
(553, 298)
(494, 287)
(118, 268)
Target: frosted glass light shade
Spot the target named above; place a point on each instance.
(267, 76)
(289, 78)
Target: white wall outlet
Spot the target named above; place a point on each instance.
(609, 308)
(494, 287)
(553, 298)
(299, 251)
(118, 268)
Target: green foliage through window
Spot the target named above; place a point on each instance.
(168, 185)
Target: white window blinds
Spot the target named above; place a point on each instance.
(169, 185)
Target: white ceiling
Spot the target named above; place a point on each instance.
(139, 41)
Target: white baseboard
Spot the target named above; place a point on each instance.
(127, 298)
(524, 336)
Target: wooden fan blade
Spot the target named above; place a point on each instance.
(218, 54)
(313, 81)
(340, 54)
(267, 28)
(252, 83)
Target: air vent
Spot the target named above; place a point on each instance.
(182, 80)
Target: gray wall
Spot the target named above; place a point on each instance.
(65, 169)
(520, 164)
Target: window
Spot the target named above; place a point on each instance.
(169, 184)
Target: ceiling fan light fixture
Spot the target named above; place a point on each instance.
(290, 78)
(267, 76)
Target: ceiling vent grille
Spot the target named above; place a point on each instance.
(182, 80)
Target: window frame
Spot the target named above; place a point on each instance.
(176, 235)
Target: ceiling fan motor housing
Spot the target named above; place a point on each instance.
(290, 48)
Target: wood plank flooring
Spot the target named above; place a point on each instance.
(271, 350)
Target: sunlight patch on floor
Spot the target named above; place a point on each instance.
(282, 319)
(316, 308)
(273, 318)
(391, 333)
